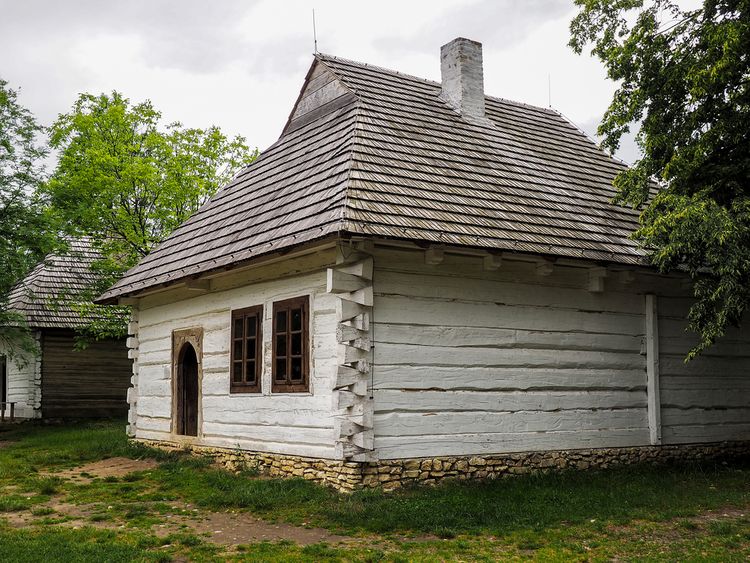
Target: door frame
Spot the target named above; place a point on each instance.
(194, 337)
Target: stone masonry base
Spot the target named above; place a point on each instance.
(393, 474)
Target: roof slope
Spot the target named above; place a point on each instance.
(44, 295)
(391, 159)
(526, 179)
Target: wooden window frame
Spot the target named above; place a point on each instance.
(289, 386)
(245, 387)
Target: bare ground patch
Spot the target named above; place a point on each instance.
(234, 528)
(112, 467)
(222, 528)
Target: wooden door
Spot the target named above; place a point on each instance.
(187, 391)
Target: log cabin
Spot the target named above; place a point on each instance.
(57, 380)
(420, 281)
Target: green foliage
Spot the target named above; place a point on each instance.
(26, 233)
(128, 181)
(685, 77)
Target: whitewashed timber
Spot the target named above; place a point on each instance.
(24, 380)
(419, 358)
(471, 360)
(301, 423)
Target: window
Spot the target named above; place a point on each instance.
(246, 350)
(290, 336)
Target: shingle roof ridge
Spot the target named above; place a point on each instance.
(324, 57)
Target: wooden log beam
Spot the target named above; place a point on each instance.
(346, 376)
(198, 285)
(544, 268)
(627, 277)
(343, 399)
(652, 369)
(434, 255)
(362, 296)
(492, 262)
(347, 310)
(596, 279)
(343, 282)
(361, 268)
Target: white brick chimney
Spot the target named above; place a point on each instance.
(463, 77)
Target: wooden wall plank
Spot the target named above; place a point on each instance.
(708, 398)
(652, 369)
(502, 360)
(257, 421)
(83, 383)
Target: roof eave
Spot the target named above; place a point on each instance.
(113, 297)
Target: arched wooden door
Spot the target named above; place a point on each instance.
(187, 391)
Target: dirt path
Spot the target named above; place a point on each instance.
(112, 467)
(224, 528)
(234, 528)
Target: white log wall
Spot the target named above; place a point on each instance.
(24, 382)
(471, 356)
(299, 423)
(707, 399)
(475, 360)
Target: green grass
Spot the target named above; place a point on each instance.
(56, 447)
(632, 513)
(496, 507)
(57, 544)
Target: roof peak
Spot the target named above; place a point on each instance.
(328, 57)
(375, 152)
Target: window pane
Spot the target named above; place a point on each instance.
(281, 369)
(237, 355)
(297, 344)
(280, 345)
(296, 369)
(237, 372)
(252, 323)
(251, 348)
(281, 321)
(250, 372)
(296, 319)
(237, 328)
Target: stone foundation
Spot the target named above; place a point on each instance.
(341, 475)
(393, 474)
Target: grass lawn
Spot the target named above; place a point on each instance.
(169, 511)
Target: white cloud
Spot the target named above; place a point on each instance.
(240, 64)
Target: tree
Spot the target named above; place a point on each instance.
(127, 181)
(26, 233)
(684, 75)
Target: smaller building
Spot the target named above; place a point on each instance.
(60, 381)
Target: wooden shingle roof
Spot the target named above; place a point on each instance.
(385, 156)
(44, 296)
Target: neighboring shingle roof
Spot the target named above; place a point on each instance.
(393, 160)
(44, 295)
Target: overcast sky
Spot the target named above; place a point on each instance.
(239, 64)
